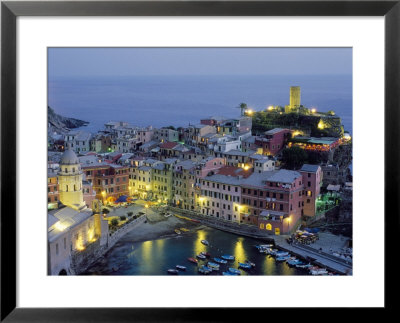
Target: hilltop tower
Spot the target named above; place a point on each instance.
(294, 97)
(70, 181)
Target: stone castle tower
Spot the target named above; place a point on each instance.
(294, 100)
(70, 181)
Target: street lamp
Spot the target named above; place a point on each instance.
(288, 222)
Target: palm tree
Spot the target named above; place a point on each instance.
(242, 106)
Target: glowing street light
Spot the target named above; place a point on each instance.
(270, 108)
(313, 110)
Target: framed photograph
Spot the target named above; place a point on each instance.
(175, 142)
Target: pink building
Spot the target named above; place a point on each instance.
(273, 141)
(208, 165)
(273, 200)
(145, 134)
(88, 193)
(312, 179)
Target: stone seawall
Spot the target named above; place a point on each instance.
(80, 261)
(224, 225)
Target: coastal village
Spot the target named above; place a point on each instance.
(280, 174)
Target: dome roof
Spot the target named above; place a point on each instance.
(69, 158)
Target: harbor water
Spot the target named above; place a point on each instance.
(155, 257)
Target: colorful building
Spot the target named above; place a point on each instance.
(53, 195)
(312, 179)
(273, 141)
(273, 200)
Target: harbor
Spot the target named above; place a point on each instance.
(167, 243)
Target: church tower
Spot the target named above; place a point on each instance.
(70, 181)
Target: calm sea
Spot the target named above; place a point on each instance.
(180, 100)
(155, 257)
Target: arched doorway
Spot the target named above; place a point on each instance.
(63, 272)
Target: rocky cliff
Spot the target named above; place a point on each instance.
(60, 124)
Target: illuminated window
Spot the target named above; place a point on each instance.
(262, 226)
(268, 226)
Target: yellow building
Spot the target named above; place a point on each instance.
(70, 181)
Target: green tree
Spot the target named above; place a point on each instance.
(242, 107)
(294, 157)
(105, 211)
(114, 222)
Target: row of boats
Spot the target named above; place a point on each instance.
(284, 256)
(213, 264)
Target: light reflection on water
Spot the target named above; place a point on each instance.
(155, 257)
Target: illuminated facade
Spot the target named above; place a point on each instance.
(70, 181)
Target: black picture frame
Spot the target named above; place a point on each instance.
(10, 10)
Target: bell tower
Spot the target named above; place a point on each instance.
(70, 181)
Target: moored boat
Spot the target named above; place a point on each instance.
(318, 271)
(228, 257)
(177, 231)
(220, 261)
(252, 264)
(234, 271)
(213, 265)
(172, 271)
(303, 266)
(283, 258)
(244, 265)
(184, 229)
(205, 242)
(180, 267)
(204, 270)
(293, 262)
(205, 254)
(201, 256)
(195, 261)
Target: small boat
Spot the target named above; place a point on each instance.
(177, 231)
(228, 257)
(319, 271)
(205, 270)
(220, 261)
(303, 265)
(213, 266)
(252, 264)
(167, 215)
(184, 229)
(172, 271)
(200, 256)
(281, 253)
(293, 262)
(195, 261)
(180, 267)
(205, 242)
(244, 265)
(206, 254)
(264, 246)
(234, 271)
(283, 258)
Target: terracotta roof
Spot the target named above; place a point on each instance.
(234, 171)
(168, 145)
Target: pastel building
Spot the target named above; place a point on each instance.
(220, 197)
(53, 195)
(273, 200)
(312, 179)
(183, 184)
(273, 141)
